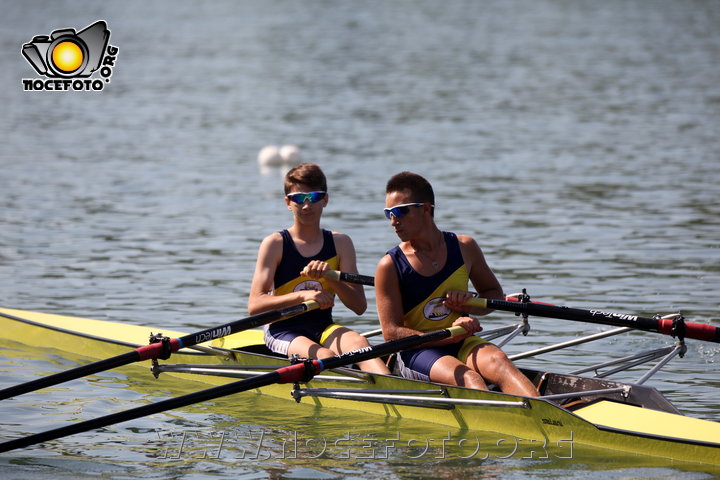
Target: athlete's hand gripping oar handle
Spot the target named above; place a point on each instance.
(160, 349)
(300, 372)
(349, 277)
(667, 326)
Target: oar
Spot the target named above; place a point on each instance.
(349, 277)
(160, 349)
(300, 372)
(668, 325)
(665, 325)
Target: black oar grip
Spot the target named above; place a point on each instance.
(349, 277)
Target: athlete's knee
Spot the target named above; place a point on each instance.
(498, 357)
(492, 362)
(324, 352)
(473, 379)
(354, 339)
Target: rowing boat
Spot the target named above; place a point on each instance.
(573, 409)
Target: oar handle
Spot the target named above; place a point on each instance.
(456, 331)
(477, 302)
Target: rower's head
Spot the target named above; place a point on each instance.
(306, 190)
(406, 190)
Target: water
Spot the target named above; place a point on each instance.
(576, 141)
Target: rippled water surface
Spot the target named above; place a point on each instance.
(576, 141)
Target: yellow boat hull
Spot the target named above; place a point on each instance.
(539, 424)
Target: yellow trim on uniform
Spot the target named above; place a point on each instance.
(327, 332)
(416, 317)
(468, 345)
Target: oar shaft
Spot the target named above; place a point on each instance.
(244, 324)
(156, 350)
(390, 347)
(138, 412)
(66, 376)
(696, 331)
(292, 373)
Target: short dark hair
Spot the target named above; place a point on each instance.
(420, 189)
(306, 174)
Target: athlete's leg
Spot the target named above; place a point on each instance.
(343, 340)
(306, 348)
(495, 367)
(451, 371)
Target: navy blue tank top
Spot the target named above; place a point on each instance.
(288, 279)
(423, 296)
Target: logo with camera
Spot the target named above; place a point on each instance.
(69, 59)
(308, 285)
(436, 310)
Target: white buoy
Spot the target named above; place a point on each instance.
(290, 154)
(270, 156)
